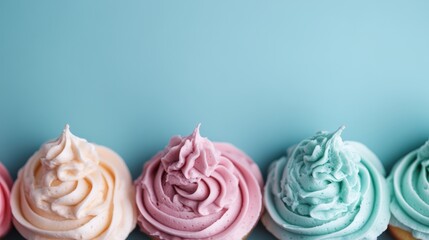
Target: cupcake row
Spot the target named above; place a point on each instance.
(323, 188)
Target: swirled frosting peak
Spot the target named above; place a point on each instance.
(326, 189)
(70, 157)
(323, 178)
(73, 189)
(190, 159)
(197, 189)
(409, 184)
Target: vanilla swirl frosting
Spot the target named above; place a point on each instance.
(5, 213)
(326, 189)
(409, 184)
(72, 189)
(196, 189)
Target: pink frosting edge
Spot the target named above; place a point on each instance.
(5, 186)
(227, 150)
(238, 156)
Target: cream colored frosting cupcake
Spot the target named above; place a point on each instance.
(73, 189)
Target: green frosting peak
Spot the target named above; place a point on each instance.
(326, 189)
(322, 181)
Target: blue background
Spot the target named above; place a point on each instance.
(260, 74)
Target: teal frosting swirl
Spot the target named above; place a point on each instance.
(409, 185)
(326, 189)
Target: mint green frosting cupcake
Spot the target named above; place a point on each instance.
(325, 188)
(409, 184)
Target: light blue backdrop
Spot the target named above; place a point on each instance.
(259, 74)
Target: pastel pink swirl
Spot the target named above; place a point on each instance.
(196, 189)
(5, 212)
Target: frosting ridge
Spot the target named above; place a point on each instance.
(197, 189)
(326, 189)
(5, 212)
(190, 159)
(71, 157)
(409, 184)
(73, 189)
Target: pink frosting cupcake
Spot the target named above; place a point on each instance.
(197, 189)
(5, 213)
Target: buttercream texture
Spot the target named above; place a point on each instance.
(5, 212)
(326, 189)
(73, 189)
(197, 189)
(409, 185)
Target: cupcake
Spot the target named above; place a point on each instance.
(198, 189)
(326, 189)
(409, 205)
(73, 189)
(5, 214)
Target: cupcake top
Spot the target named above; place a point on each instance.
(5, 214)
(326, 189)
(73, 189)
(197, 189)
(409, 185)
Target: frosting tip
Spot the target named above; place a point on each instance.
(339, 131)
(66, 129)
(196, 132)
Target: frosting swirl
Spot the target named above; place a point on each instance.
(196, 189)
(409, 185)
(5, 213)
(72, 189)
(326, 189)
